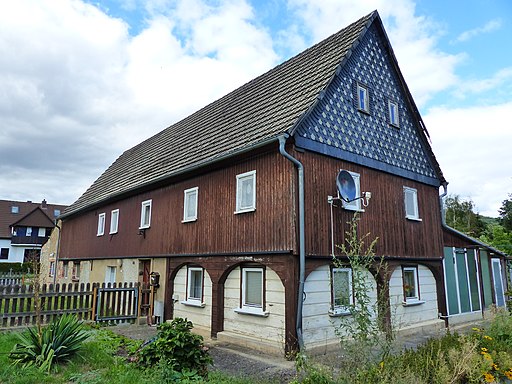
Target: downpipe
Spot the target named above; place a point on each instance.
(302, 249)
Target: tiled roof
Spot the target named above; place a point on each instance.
(263, 108)
(25, 214)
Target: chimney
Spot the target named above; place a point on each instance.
(43, 204)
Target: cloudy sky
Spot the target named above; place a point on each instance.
(82, 81)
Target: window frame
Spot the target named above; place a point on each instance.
(41, 232)
(114, 224)
(186, 204)
(145, 205)
(28, 231)
(15, 209)
(416, 299)
(393, 113)
(4, 253)
(356, 204)
(75, 273)
(108, 274)
(239, 183)
(341, 310)
(190, 300)
(365, 105)
(252, 308)
(51, 271)
(101, 224)
(412, 193)
(65, 269)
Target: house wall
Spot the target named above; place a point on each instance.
(217, 229)
(200, 316)
(319, 328)
(406, 316)
(270, 329)
(384, 217)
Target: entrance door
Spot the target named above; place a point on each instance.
(144, 272)
(497, 276)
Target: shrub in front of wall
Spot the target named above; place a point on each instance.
(181, 349)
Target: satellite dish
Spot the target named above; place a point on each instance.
(346, 186)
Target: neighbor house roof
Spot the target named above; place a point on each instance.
(26, 213)
(254, 114)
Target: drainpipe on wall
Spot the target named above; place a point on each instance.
(56, 255)
(441, 201)
(302, 249)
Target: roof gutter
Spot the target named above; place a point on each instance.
(302, 249)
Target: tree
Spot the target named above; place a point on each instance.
(459, 214)
(497, 236)
(506, 213)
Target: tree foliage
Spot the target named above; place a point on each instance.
(506, 213)
(460, 214)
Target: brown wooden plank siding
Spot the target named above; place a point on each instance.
(383, 218)
(217, 229)
(454, 240)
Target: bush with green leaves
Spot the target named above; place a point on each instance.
(178, 347)
(46, 346)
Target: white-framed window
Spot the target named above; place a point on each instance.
(356, 204)
(190, 204)
(52, 269)
(363, 99)
(56, 212)
(411, 204)
(393, 113)
(41, 232)
(341, 291)
(75, 273)
(65, 269)
(114, 221)
(246, 192)
(29, 231)
(145, 214)
(195, 284)
(253, 292)
(410, 284)
(15, 209)
(110, 275)
(101, 224)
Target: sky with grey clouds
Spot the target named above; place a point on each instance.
(82, 81)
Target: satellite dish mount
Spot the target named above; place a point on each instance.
(347, 190)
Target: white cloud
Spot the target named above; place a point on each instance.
(473, 147)
(490, 26)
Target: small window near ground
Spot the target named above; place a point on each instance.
(52, 269)
(145, 214)
(356, 204)
(101, 224)
(410, 284)
(4, 253)
(341, 285)
(411, 204)
(393, 113)
(190, 204)
(252, 288)
(195, 284)
(110, 275)
(246, 192)
(363, 102)
(65, 269)
(75, 274)
(114, 221)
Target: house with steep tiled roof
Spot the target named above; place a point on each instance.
(238, 207)
(24, 227)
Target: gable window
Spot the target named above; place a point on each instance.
(101, 224)
(253, 293)
(393, 113)
(341, 291)
(363, 100)
(56, 212)
(246, 192)
(114, 221)
(195, 279)
(145, 214)
(4, 253)
(41, 232)
(356, 204)
(15, 209)
(411, 204)
(190, 204)
(411, 285)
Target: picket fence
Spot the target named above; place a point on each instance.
(95, 302)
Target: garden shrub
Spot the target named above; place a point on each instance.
(180, 349)
(56, 342)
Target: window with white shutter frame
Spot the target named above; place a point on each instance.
(411, 204)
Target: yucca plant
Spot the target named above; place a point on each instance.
(57, 342)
